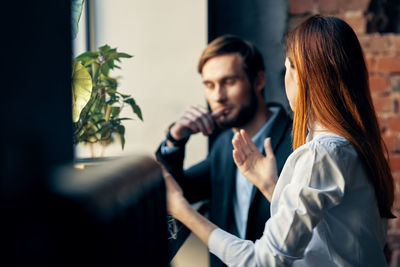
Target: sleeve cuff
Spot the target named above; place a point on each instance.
(218, 243)
(232, 250)
(166, 150)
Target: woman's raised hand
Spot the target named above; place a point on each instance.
(259, 170)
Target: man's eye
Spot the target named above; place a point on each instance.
(230, 81)
(209, 85)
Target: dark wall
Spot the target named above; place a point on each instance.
(36, 121)
(35, 91)
(262, 22)
(41, 224)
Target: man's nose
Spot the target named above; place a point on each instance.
(220, 93)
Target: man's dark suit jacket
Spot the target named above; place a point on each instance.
(214, 179)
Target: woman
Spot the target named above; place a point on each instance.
(334, 195)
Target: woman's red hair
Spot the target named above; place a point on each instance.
(334, 91)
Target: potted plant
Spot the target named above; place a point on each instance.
(97, 103)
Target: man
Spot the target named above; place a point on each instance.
(233, 76)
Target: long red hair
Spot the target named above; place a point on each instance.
(333, 90)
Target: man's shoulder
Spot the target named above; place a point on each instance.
(282, 118)
(279, 109)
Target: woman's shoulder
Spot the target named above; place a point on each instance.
(327, 142)
(325, 146)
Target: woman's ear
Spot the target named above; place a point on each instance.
(259, 81)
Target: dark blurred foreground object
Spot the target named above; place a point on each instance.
(116, 212)
(108, 214)
(112, 214)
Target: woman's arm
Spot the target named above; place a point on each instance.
(316, 185)
(180, 209)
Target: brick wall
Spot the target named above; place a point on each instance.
(382, 53)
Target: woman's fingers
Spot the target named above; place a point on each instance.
(246, 139)
(241, 149)
(237, 157)
(268, 148)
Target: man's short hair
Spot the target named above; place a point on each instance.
(253, 61)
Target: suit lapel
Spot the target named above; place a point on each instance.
(230, 176)
(276, 134)
(226, 175)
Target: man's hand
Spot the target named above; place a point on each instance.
(259, 170)
(195, 119)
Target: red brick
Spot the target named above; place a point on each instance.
(396, 177)
(393, 224)
(394, 162)
(395, 43)
(388, 63)
(361, 5)
(356, 20)
(328, 6)
(390, 142)
(382, 122)
(394, 124)
(365, 40)
(396, 206)
(378, 44)
(370, 61)
(394, 81)
(301, 6)
(383, 104)
(378, 83)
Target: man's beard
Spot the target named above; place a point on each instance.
(246, 114)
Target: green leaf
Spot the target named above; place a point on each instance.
(88, 62)
(124, 55)
(81, 89)
(135, 108)
(105, 132)
(112, 54)
(76, 11)
(115, 111)
(121, 134)
(110, 64)
(121, 129)
(95, 71)
(105, 48)
(112, 83)
(105, 70)
(124, 96)
(87, 55)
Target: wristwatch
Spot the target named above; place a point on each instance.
(179, 143)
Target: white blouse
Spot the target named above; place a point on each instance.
(323, 213)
